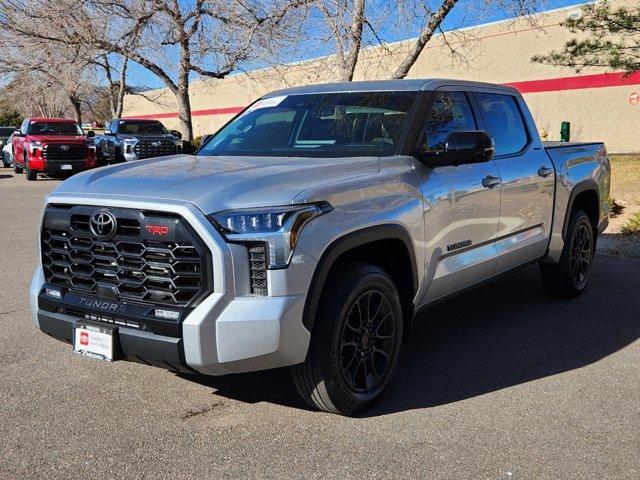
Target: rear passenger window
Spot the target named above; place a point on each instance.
(503, 121)
(450, 112)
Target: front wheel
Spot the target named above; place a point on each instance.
(355, 342)
(16, 168)
(31, 174)
(569, 277)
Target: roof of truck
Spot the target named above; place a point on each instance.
(411, 85)
(52, 120)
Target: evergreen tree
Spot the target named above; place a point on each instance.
(613, 39)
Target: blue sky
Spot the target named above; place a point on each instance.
(454, 20)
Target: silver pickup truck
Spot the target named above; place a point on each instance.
(312, 229)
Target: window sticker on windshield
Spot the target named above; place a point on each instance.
(266, 103)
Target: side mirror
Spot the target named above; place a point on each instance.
(17, 133)
(474, 146)
(176, 133)
(91, 134)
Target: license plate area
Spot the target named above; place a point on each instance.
(66, 166)
(95, 341)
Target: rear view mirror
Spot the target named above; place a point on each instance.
(474, 146)
(176, 133)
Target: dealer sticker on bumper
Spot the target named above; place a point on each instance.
(93, 341)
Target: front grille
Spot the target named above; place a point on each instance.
(168, 267)
(258, 268)
(62, 153)
(154, 148)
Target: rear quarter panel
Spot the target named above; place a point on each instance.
(579, 167)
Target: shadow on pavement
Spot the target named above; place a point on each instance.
(5, 176)
(504, 334)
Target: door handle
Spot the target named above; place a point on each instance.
(490, 181)
(545, 171)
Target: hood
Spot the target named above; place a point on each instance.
(217, 183)
(57, 138)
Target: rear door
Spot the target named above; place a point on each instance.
(460, 214)
(528, 178)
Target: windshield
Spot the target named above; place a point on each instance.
(54, 128)
(6, 131)
(330, 125)
(138, 127)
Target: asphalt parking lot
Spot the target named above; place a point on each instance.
(504, 382)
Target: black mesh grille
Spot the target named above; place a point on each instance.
(133, 265)
(154, 148)
(258, 268)
(64, 152)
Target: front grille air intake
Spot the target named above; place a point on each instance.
(154, 148)
(63, 153)
(151, 259)
(258, 268)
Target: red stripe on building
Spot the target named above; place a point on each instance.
(579, 82)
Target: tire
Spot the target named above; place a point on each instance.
(355, 342)
(569, 277)
(16, 168)
(32, 175)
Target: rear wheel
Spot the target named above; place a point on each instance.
(569, 277)
(355, 343)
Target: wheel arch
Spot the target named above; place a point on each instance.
(585, 196)
(358, 244)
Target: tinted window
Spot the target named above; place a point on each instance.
(6, 131)
(141, 127)
(450, 112)
(333, 125)
(54, 128)
(503, 120)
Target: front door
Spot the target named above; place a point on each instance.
(528, 180)
(462, 204)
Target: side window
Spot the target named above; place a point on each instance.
(503, 121)
(24, 126)
(450, 112)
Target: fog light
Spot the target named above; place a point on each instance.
(53, 293)
(167, 314)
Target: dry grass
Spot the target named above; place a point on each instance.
(625, 179)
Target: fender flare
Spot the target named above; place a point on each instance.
(581, 187)
(342, 245)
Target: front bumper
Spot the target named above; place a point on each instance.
(229, 331)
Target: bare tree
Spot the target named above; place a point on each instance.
(172, 39)
(352, 25)
(116, 77)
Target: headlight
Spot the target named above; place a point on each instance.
(129, 144)
(278, 227)
(35, 145)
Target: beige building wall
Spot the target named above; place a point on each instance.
(499, 53)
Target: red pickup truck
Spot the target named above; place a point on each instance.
(52, 146)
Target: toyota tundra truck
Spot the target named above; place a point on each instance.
(312, 229)
(55, 146)
(125, 140)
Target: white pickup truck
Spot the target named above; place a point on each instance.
(312, 229)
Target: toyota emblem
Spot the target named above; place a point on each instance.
(103, 224)
(155, 144)
(64, 147)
